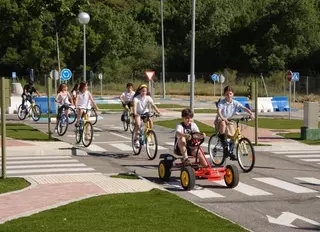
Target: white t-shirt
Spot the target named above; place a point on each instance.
(63, 98)
(126, 96)
(142, 105)
(186, 130)
(83, 100)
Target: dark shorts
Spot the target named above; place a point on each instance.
(129, 104)
(60, 109)
(178, 152)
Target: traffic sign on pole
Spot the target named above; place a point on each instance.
(149, 74)
(100, 76)
(65, 74)
(222, 79)
(214, 77)
(31, 74)
(289, 75)
(14, 75)
(295, 76)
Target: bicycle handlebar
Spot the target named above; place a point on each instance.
(237, 120)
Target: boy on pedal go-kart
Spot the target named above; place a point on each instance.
(227, 108)
(183, 144)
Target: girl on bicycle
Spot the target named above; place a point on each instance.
(64, 99)
(141, 104)
(84, 97)
(74, 92)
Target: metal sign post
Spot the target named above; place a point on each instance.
(54, 74)
(222, 80)
(214, 78)
(289, 77)
(295, 78)
(100, 77)
(150, 75)
(3, 128)
(47, 79)
(256, 112)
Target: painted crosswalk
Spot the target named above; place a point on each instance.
(251, 190)
(305, 156)
(26, 165)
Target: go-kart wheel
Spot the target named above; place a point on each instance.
(232, 176)
(187, 178)
(164, 170)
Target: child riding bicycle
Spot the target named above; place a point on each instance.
(84, 97)
(227, 108)
(182, 143)
(126, 99)
(64, 99)
(141, 104)
(28, 90)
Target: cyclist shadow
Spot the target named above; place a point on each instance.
(109, 155)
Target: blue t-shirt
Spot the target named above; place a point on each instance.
(228, 109)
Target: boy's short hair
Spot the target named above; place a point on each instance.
(129, 85)
(228, 89)
(186, 113)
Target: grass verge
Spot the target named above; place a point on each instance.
(202, 111)
(278, 123)
(172, 124)
(297, 137)
(12, 184)
(146, 211)
(125, 176)
(25, 132)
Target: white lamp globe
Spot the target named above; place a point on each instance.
(84, 18)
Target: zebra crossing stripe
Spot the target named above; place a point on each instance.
(246, 189)
(38, 158)
(295, 152)
(285, 185)
(311, 160)
(48, 170)
(310, 180)
(122, 146)
(303, 156)
(205, 193)
(45, 166)
(42, 161)
(94, 147)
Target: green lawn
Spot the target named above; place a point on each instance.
(25, 132)
(147, 211)
(278, 123)
(119, 106)
(173, 124)
(201, 111)
(125, 176)
(12, 184)
(297, 136)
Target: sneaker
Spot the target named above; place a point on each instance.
(56, 130)
(233, 156)
(186, 162)
(137, 143)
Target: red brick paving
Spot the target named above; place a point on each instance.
(44, 196)
(15, 143)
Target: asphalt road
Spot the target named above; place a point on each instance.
(280, 194)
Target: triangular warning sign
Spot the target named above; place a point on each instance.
(149, 74)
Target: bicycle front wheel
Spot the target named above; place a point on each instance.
(72, 115)
(62, 125)
(125, 122)
(151, 145)
(94, 115)
(136, 147)
(36, 113)
(216, 151)
(22, 114)
(131, 124)
(245, 154)
(87, 135)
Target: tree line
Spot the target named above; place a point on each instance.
(124, 36)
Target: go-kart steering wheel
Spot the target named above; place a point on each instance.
(197, 138)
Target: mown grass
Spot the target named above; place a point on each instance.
(145, 211)
(297, 137)
(278, 123)
(12, 184)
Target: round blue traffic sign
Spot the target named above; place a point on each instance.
(214, 77)
(65, 74)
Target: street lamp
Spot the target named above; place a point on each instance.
(163, 63)
(84, 19)
(192, 79)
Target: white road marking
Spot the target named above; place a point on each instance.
(37, 158)
(318, 196)
(45, 166)
(97, 129)
(311, 160)
(122, 146)
(303, 156)
(296, 152)
(49, 170)
(94, 147)
(117, 127)
(121, 136)
(246, 189)
(285, 185)
(205, 193)
(310, 180)
(42, 161)
(107, 142)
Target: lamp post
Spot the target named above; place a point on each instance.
(163, 63)
(192, 79)
(84, 19)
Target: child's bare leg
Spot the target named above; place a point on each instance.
(80, 111)
(182, 144)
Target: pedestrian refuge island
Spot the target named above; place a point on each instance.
(310, 129)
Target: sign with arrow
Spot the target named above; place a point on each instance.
(286, 218)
